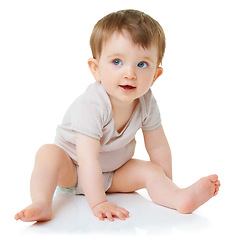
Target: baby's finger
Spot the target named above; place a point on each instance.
(100, 216)
(119, 214)
(124, 211)
(108, 215)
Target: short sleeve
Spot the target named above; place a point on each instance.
(86, 118)
(152, 119)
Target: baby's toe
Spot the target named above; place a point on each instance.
(16, 217)
(218, 184)
(213, 178)
(216, 191)
(19, 215)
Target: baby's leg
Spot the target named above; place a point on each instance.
(52, 167)
(137, 174)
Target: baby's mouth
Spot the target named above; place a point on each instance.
(127, 87)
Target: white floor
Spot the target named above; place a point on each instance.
(73, 218)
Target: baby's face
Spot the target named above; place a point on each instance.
(127, 70)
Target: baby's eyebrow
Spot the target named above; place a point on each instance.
(115, 55)
(148, 59)
(141, 58)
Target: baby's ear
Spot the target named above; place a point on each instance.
(93, 65)
(157, 74)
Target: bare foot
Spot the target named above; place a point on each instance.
(199, 193)
(35, 212)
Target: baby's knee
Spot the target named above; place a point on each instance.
(153, 169)
(46, 149)
(48, 152)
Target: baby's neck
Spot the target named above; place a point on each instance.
(118, 106)
(125, 107)
(122, 114)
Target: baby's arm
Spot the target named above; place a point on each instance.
(90, 174)
(158, 149)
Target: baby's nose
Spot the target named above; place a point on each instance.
(130, 73)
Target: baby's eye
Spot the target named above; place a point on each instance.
(142, 65)
(117, 62)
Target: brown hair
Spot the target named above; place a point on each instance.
(143, 29)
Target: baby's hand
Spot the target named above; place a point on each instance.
(109, 210)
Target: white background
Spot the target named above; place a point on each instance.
(44, 48)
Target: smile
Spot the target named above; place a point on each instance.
(127, 88)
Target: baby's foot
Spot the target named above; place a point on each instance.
(35, 212)
(199, 193)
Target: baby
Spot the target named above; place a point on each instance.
(94, 145)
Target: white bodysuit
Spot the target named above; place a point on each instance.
(91, 114)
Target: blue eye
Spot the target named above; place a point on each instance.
(142, 65)
(117, 62)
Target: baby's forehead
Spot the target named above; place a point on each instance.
(120, 40)
(116, 35)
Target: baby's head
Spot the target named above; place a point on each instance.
(143, 30)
